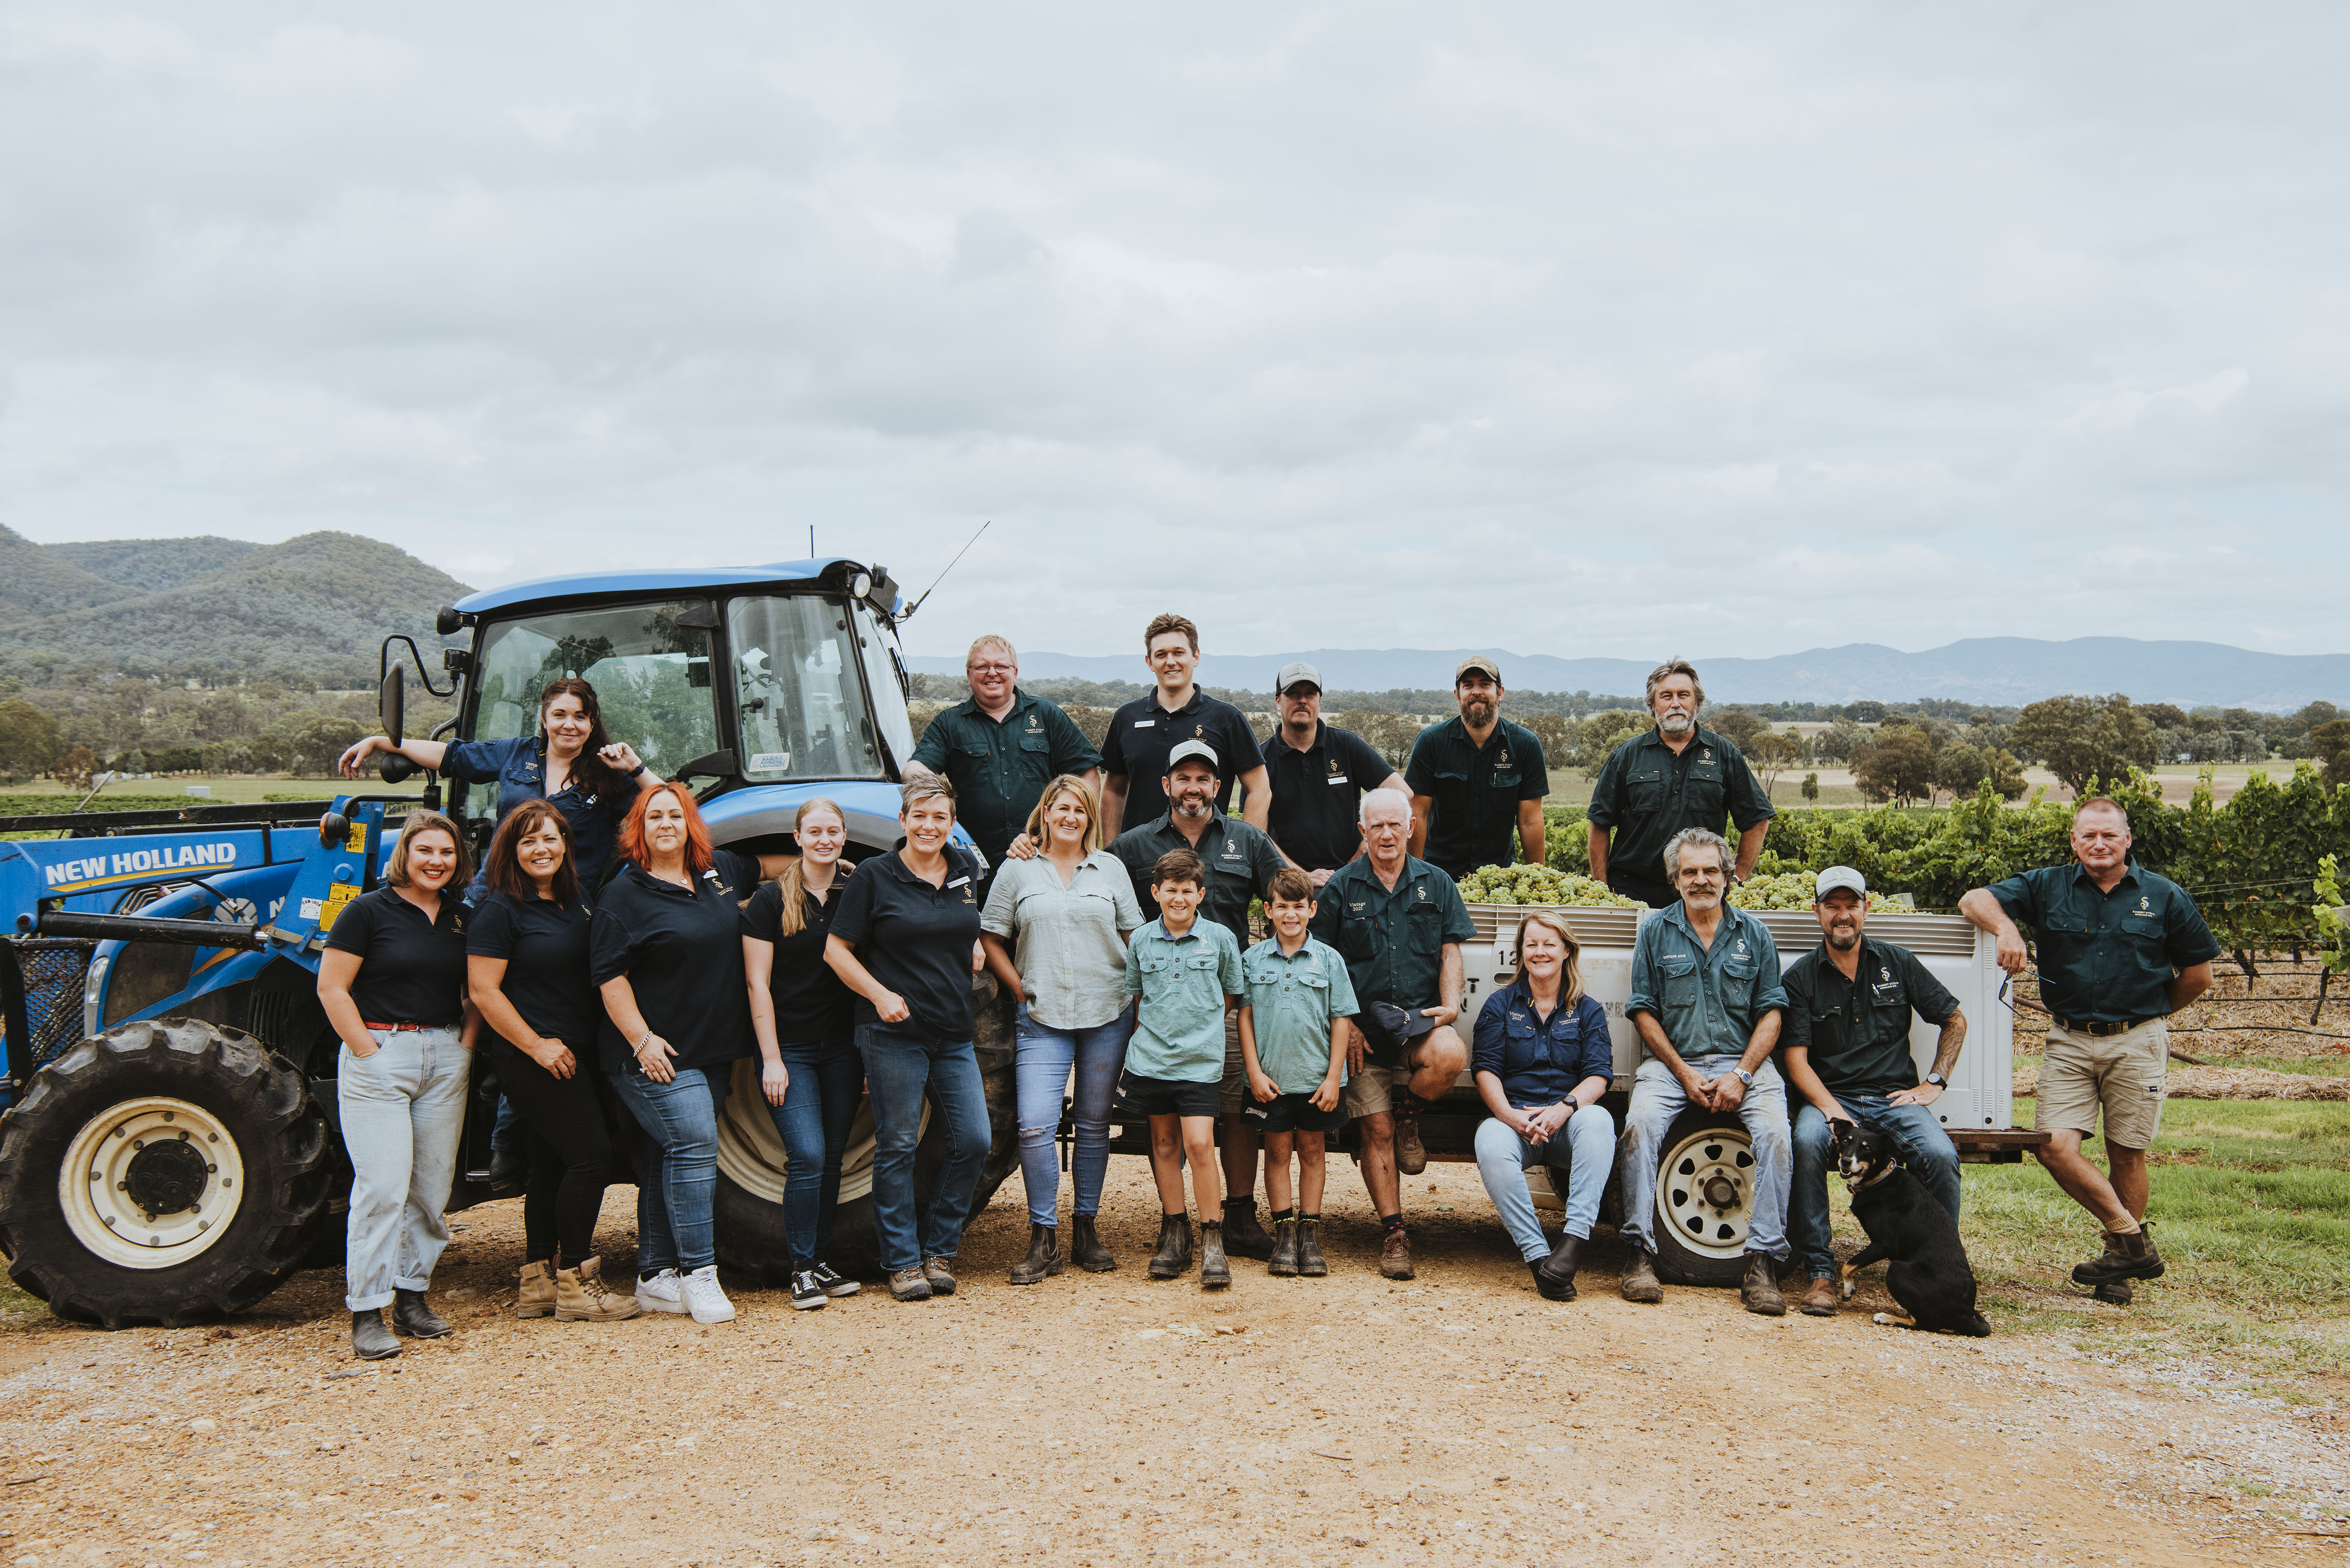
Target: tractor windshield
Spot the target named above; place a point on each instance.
(651, 676)
(799, 687)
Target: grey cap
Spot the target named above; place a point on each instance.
(1191, 749)
(1291, 674)
(1836, 876)
(1478, 661)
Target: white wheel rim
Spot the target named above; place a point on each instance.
(123, 1146)
(1693, 1180)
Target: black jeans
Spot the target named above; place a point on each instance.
(568, 1150)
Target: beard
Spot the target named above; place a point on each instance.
(1844, 939)
(1673, 723)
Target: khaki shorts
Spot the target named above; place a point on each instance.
(1236, 1097)
(2124, 1074)
(1372, 1092)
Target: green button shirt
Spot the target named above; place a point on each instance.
(1474, 791)
(1857, 1031)
(1393, 942)
(999, 767)
(1648, 794)
(2108, 957)
(1293, 1000)
(1241, 862)
(1708, 1000)
(1179, 1029)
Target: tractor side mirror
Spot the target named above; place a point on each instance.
(391, 703)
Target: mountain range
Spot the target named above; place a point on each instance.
(1996, 671)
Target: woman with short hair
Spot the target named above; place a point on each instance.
(666, 954)
(805, 1021)
(392, 983)
(1066, 914)
(1541, 1058)
(905, 941)
(526, 958)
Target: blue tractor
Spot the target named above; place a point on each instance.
(169, 1151)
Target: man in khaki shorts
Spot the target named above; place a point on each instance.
(2120, 950)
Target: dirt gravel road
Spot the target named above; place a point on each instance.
(1102, 1419)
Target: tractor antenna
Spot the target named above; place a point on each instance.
(942, 575)
(811, 541)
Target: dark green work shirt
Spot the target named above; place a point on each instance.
(2108, 957)
(999, 767)
(1648, 794)
(1393, 942)
(1240, 861)
(1474, 790)
(1857, 1031)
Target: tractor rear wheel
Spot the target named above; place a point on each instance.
(163, 1172)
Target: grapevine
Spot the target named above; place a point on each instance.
(1539, 884)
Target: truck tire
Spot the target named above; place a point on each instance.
(166, 1172)
(1705, 1196)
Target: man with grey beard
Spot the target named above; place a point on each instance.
(1677, 774)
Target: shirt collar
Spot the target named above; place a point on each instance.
(1159, 925)
(957, 863)
(2129, 879)
(1020, 703)
(1198, 695)
(1679, 914)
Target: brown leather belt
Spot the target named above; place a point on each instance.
(396, 1028)
(2080, 1027)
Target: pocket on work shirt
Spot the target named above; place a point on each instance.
(1680, 981)
(1449, 790)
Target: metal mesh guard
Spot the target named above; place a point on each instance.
(53, 968)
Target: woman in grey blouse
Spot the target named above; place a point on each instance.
(1055, 929)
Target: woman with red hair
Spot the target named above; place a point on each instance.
(665, 956)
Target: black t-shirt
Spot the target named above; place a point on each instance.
(916, 940)
(1857, 1031)
(545, 945)
(1317, 794)
(1141, 733)
(683, 953)
(411, 969)
(812, 1005)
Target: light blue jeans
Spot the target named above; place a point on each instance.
(1041, 1066)
(1656, 1099)
(676, 1169)
(403, 1109)
(1925, 1148)
(1585, 1145)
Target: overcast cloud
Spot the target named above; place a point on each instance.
(1569, 329)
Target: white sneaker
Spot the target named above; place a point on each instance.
(664, 1292)
(705, 1298)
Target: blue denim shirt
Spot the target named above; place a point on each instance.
(1541, 1060)
(519, 766)
(1707, 1001)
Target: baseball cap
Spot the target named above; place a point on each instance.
(1478, 661)
(1190, 748)
(1291, 674)
(1836, 876)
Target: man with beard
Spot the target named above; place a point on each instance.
(1475, 778)
(1320, 775)
(1240, 863)
(1846, 1049)
(1679, 774)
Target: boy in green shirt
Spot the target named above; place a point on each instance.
(1186, 972)
(1294, 1042)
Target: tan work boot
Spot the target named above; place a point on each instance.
(1395, 1255)
(1641, 1284)
(1410, 1154)
(1821, 1298)
(537, 1298)
(1759, 1293)
(2130, 1257)
(580, 1296)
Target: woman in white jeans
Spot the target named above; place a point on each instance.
(392, 982)
(1542, 1059)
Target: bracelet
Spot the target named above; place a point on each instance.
(640, 1046)
(638, 771)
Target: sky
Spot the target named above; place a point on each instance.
(1571, 329)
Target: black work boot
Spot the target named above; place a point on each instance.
(1044, 1259)
(1174, 1255)
(1243, 1236)
(1759, 1293)
(414, 1319)
(1554, 1275)
(1310, 1263)
(1215, 1274)
(2115, 1293)
(1283, 1260)
(371, 1341)
(508, 1170)
(1085, 1249)
(2130, 1257)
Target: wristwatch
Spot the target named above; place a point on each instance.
(1937, 1080)
(1744, 1077)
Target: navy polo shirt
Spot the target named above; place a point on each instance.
(916, 940)
(1541, 1060)
(412, 968)
(1648, 794)
(1857, 1032)
(1000, 766)
(519, 766)
(545, 945)
(1241, 862)
(1141, 733)
(1474, 791)
(1393, 941)
(1317, 794)
(681, 950)
(2104, 957)
(812, 1003)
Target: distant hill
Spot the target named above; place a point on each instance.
(1998, 670)
(315, 607)
(151, 563)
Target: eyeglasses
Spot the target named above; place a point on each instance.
(989, 669)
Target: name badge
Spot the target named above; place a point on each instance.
(960, 882)
(1144, 723)
(1337, 778)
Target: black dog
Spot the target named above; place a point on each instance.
(1929, 1275)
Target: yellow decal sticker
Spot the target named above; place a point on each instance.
(337, 897)
(356, 842)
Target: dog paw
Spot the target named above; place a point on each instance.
(1883, 1320)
